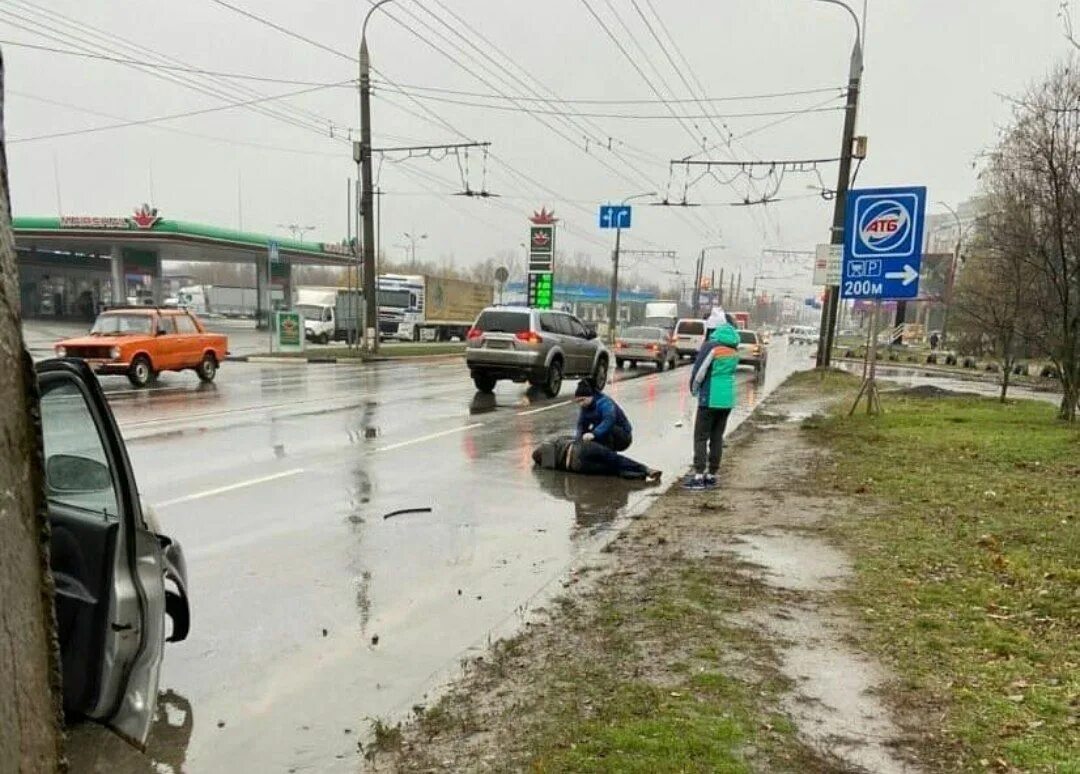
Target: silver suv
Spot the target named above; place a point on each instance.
(534, 345)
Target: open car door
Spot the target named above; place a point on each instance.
(107, 565)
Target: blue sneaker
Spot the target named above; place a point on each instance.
(696, 483)
(710, 481)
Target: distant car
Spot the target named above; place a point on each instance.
(646, 345)
(752, 350)
(804, 334)
(689, 336)
(116, 577)
(541, 347)
(141, 342)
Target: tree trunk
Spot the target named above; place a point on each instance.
(31, 732)
(1006, 375)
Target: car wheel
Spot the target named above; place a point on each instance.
(661, 365)
(324, 338)
(553, 382)
(141, 373)
(600, 375)
(207, 369)
(416, 334)
(484, 382)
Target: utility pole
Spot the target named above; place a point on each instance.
(362, 154)
(832, 292)
(613, 303)
(738, 290)
(718, 289)
(697, 282)
(951, 278)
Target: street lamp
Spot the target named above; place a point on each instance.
(832, 292)
(951, 278)
(295, 230)
(362, 156)
(412, 245)
(613, 309)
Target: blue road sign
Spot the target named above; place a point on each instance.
(615, 216)
(883, 240)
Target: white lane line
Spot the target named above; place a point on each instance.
(431, 437)
(229, 488)
(545, 408)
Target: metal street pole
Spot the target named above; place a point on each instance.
(613, 305)
(371, 310)
(951, 278)
(832, 292)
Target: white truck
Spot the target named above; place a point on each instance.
(420, 307)
(663, 314)
(330, 313)
(223, 300)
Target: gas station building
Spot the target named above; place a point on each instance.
(73, 266)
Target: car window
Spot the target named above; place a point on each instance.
(563, 323)
(165, 325)
(747, 337)
(691, 328)
(185, 325)
(549, 323)
(502, 322)
(107, 324)
(642, 333)
(576, 327)
(77, 470)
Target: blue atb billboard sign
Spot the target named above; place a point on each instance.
(883, 240)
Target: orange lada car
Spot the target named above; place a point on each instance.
(141, 342)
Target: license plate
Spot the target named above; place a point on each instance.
(498, 344)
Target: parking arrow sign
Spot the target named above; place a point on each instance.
(907, 276)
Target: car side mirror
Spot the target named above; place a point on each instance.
(69, 473)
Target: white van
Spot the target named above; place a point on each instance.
(689, 336)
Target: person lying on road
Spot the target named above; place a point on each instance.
(601, 419)
(589, 458)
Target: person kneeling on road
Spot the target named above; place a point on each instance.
(589, 458)
(601, 419)
(712, 380)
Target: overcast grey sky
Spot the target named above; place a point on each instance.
(930, 105)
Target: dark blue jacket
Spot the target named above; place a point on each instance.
(601, 416)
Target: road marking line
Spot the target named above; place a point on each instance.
(431, 437)
(229, 488)
(545, 408)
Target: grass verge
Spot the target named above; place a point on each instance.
(968, 570)
(633, 680)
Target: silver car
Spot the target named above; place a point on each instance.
(752, 350)
(118, 580)
(535, 345)
(645, 344)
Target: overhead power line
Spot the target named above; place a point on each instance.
(408, 88)
(628, 116)
(159, 119)
(173, 68)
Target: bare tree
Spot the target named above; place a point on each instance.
(1033, 180)
(31, 730)
(992, 303)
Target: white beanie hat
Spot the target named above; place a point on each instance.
(716, 319)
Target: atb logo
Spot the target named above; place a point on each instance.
(885, 226)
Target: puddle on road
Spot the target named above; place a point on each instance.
(834, 700)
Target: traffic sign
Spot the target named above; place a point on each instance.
(615, 216)
(827, 259)
(883, 239)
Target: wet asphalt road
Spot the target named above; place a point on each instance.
(312, 613)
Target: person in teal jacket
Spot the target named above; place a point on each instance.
(712, 380)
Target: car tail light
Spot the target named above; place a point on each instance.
(652, 347)
(61, 351)
(529, 337)
(620, 345)
(473, 334)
